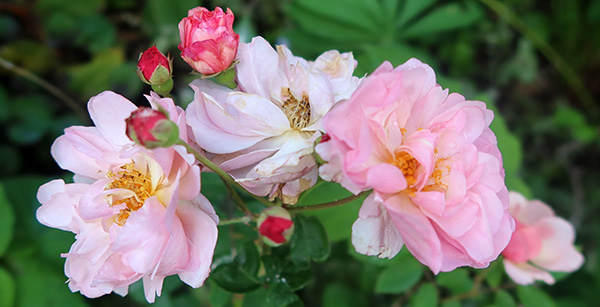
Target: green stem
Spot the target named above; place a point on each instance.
(47, 86)
(550, 53)
(229, 181)
(238, 220)
(331, 204)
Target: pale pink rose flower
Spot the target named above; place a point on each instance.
(541, 242)
(136, 213)
(208, 43)
(432, 162)
(263, 132)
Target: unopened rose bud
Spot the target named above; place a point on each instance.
(151, 128)
(208, 43)
(153, 67)
(275, 226)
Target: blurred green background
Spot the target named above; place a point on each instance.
(535, 62)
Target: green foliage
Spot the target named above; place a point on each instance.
(503, 299)
(427, 295)
(399, 277)
(241, 274)
(531, 296)
(457, 281)
(548, 139)
(7, 221)
(7, 288)
(309, 241)
(337, 223)
(95, 77)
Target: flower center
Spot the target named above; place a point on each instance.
(408, 165)
(297, 111)
(130, 179)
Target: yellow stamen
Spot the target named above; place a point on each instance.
(130, 179)
(408, 165)
(297, 112)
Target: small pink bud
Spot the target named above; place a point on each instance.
(153, 67)
(275, 226)
(324, 138)
(208, 42)
(151, 128)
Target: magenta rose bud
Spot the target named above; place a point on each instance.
(153, 67)
(151, 128)
(275, 226)
(208, 42)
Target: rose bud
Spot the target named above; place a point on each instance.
(208, 43)
(151, 128)
(153, 67)
(275, 226)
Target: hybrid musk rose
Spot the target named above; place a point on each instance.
(432, 162)
(542, 242)
(263, 132)
(136, 213)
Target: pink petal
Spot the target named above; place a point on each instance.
(376, 234)
(525, 274)
(109, 110)
(201, 233)
(416, 230)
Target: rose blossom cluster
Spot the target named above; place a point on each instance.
(429, 158)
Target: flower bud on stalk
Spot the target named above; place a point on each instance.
(208, 43)
(151, 128)
(155, 69)
(275, 226)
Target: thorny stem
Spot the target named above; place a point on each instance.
(45, 85)
(243, 219)
(331, 204)
(228, 180)
(550, 53)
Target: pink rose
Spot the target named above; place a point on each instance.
(542, 242)
(432, 162)
(264, 131)
(208, 42)
(137, 213)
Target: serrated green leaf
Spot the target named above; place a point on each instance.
(234, 279)
(296, 276)
(240, 275)
(534, 297)
(504, 299)
(445, 18)
(248, 258)
(7, 221)
(426, 296)
(281, 295)
(309, 241)
(399, 278)
(7, 289)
